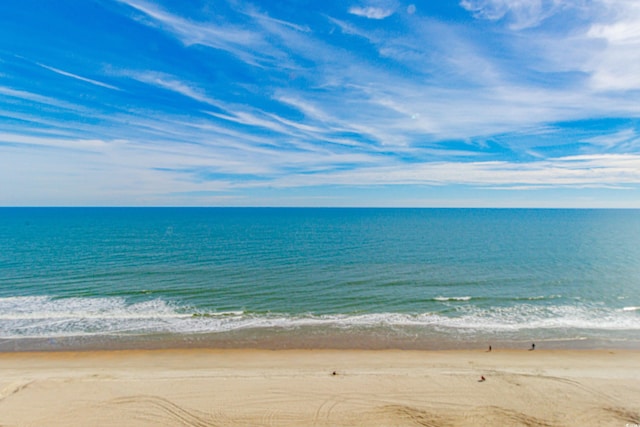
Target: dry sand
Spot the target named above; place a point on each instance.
(298, 388)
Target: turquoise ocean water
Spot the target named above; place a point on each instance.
(76, 278)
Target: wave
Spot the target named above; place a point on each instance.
(501, 299)
(47, 317)
(452, 299)
(43, 307)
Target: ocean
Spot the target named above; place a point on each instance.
(114, 278)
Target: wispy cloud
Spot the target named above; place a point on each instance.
(77, 77)
(371, 12)
(625, 141)
(35, 97)
(576, 171)
(603, 36)
(170, 83)
(245, 43)
(521, 14)
(254, 97)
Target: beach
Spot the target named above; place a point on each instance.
(319, 317)
(225, 387)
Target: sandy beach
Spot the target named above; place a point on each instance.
(320, 388)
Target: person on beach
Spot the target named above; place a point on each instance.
(533, 346)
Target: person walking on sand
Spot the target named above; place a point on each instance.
(533, 346)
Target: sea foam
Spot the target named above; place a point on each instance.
(42, 317)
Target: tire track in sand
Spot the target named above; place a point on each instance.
(147, 406)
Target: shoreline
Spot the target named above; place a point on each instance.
(308, 339)
(320, 387)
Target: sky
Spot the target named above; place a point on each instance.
(433, 103)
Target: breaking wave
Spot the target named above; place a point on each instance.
(48, 317)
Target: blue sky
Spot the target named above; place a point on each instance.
(320, 103)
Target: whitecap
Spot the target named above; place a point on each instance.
(467, 298)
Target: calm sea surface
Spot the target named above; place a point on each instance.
(359, 278)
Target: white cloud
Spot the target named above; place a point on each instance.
(259, 44)
(89, 145)
(77, 77)
(594, 171)
(384, 106)
(276, 23)
(626, 140)
(371, 12)
(41, 99)
(602, 36)
(471, 94)
(616, 66)
(246, 44)
(170, 83)
(128, 171)
(353, 118)
(521, 13)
